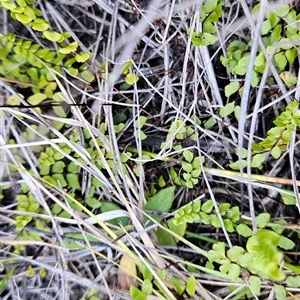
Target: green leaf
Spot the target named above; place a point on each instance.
(188, 208)
(36, 98)
(202, 39)
(56, 209)
(196, 206)
(131, 79)
(58, 167)
(233, 271)
(288, 78)
(53, 36)
(244, 230)
(197, 161)
(262, 220)
(59, 111)
(237, 55)
(58, 156)
(213, 17)
(167, 239)
(286, 243)
(220, 249)
(280, 292)
(209, 27)
(118, 128)
(33, 73)
(83, 57)
(68, 49)
(162, 201)
(254, 79)
(191, 286)
(237, 112)
(178, 229)
(126, 67)
(73, 180)
(273, 18)
(280, 60)
(93, 202)
(69, 62)
(255, 284)
(291, 54)
(42, 52)
(147, 286)
(188, 155)
(146, 272)
(39, 24)
(178, 284)
(140, 122)
(288, 199)
(276, 152)
(281, 10)
(161, 181)
(5, 280)
(50, 180)
(266, 27)
(23, 19)
(260, 61)
(279, 226)
(227, 110)
(187, 167)
(96, 182)
(87, 76)
(275, 132)
(242, 66)
(236, 165)
(229, 225)
(26, 44)
(230, 89)
(8, 5)
(21, 3)
(49, 57)
(136, 294)
(223, 207)
(109, 206)
(60, 180)
(293, 281)
(207, 206)
(14, 100)
(245, 260)
(286, 136)
(196, 173)
(257, 160)
(209, 6)
(164, 238)
(28, 11)
(209, 123)
(265, 254)
(51, 86)
(17, 10)
(215, 222)
(235, 252)
(72, 71)
(234, 214)
(119, 117)
(276, 34)
(44, 169)
(208, 39)
(140, 134)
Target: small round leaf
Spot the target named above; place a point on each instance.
(131, 79)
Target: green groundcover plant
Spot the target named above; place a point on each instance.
(261, 257)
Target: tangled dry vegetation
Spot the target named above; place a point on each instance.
(149, 149)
